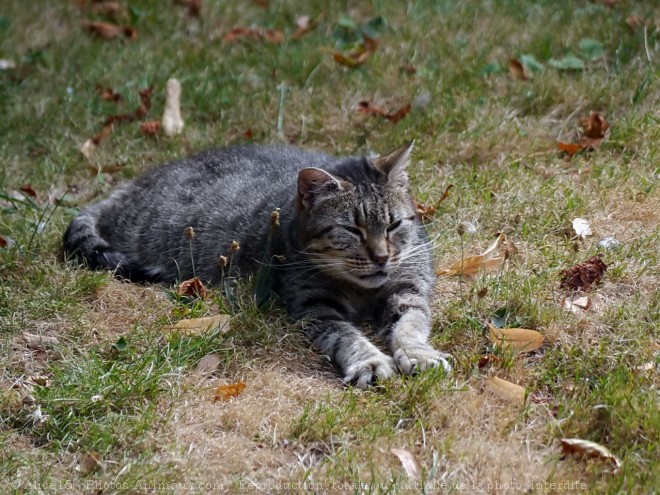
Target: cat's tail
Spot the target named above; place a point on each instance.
(83, 243)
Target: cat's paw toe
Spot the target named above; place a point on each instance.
(368, 371)
(409, 361)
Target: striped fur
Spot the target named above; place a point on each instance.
(350, 248)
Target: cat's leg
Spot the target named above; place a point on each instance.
(407, 329)
(360, 361)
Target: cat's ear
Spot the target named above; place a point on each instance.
(394, 164)
(314, 184)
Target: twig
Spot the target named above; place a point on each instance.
(646, 46)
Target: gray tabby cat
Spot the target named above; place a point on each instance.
(350, 247)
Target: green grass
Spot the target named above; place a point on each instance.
(118, 385)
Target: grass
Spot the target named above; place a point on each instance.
(118, 386)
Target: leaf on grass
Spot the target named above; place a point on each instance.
(531, 63)
(519, 340)
(492, 258)
(226, 392)
(594, 129)
(578, 305)
(194, 7)
(238, 33)
(37, 341)
(90, 146)
(88, 463)
(107, 30)
(357, 57)
(510, 392)
(587, 448)
(208, 364)
(581, 228)
(593, 49)
(584, 275)
(108, 94)
(567, 62)
(145, 102)
(366, 108)
(111, 168)
(426, 212)
(409, 462)
(200, 326)
(3, 242)
(193, 287)
(634, 22)
(150, 128)
(28, 190)
(569, 148)
(517, 70)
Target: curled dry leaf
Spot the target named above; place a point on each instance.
(492, 258)
(145, 102)
(193, 287)
(200, 326)
(150, 128)
(172, 122)
(357, 57)
(268, 35)
(108, 94)
(409, 462)
(505, 390)
(519, 340)
(89, 147)
(111, 168)
(594, 129)
(107, 30)
(28, 190)
(367, 108)
(426, 212)
(3, 242)
(584, 275)
(581, 228)
(589, 449)
(226, 392)
(569, 148)
(517, 70)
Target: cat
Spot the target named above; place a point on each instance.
(341, 235)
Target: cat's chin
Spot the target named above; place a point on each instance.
(372, 281)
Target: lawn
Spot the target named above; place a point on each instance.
(99, 395)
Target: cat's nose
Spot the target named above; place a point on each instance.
(381, 259)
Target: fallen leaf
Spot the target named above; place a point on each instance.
(488, 359)
(490, 259)
(634, 22)
(194, 7)
(268, 35)
(107, 8)
(3, 242)
(226, 392)
(145, 102)
(581, 228)
(108, 94)
(567, 62)
(248, 134)
(569, 148)
(366, 108)
(150, 128)
(200, 326)
(510, 392)
(578, 305)
(208, 364)
(517, 70)
(409, 462)
(107, 30)
(357, 57)
(90, 146)
(193, 287)
(172, 121)
(594, 129)
(588, 449)
(519, 340)
(88, 463)
(105, 169)
(426, 212)
(36, 341)
(28, 190)
(584, 275)
(593, 49)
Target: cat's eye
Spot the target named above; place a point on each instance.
(354, 230)
(393, 226)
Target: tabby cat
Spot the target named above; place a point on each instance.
(349, 248)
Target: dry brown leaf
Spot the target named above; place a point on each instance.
(36, 341)
(208, 364)
(594, 129)
(358, 56)
(111, 168)
(589, 449)
(510, 392)
(3, 242)
(268, 35)
(193, 287)
(199, 326)
(88, 463)
(194, 7)
(108, 94)
(519, 340)
(517, 70)
(409, 462)
(107, 30)
(226, 392)
(634, 21)
(569, 148)
(367, 108)
(28, 190)
(491, 258)
(584, 275)
(150, 128)
(426, 212)
(145, 102)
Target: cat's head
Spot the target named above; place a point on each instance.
(357, 222)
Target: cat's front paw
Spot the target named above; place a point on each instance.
(368, 370)
(420, 357)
